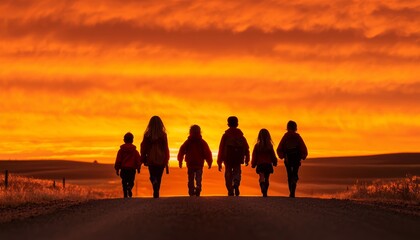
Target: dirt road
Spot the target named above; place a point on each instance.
(217, 218)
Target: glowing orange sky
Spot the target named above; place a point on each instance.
(75, 76)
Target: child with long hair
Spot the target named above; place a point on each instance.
(155, 152)
(264, 158)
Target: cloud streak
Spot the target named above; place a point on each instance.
(214, 42)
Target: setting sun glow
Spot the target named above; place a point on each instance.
(76, 76)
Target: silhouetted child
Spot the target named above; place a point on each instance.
(264, 158)
(196, 150)
(155, 152)
(293, 149)
(233, 151)
(126, 164)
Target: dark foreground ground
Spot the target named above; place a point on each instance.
(217, 218)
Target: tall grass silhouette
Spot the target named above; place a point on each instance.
(404, 189)
(23, 190)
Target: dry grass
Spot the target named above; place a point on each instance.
(23, 190)
(405, 189)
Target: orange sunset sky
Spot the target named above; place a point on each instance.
(75, 76)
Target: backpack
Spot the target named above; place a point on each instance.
(235, 150)
(156, 156)
(292, 151)
(190, 145)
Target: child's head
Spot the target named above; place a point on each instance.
(264, 138)
(195, 130)
(291, 126)
(128, 137)
(155, 129)
(232, 121)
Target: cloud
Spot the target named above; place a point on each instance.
(52, 37)
(340, 32)
(233, 15)
(86, 70)
(95, 95)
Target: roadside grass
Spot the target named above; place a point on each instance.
(23, 190)
(402, 190)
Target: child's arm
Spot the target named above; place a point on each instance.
(303, 149)
(143, 152)
(138, 161)
(247, 158)
(168, 154)
(273, 157)
(220, 155)
(181, 154)
(208, 154)
(280, 150)
(117, 165)
(254, 157)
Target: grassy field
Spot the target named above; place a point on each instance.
(405, 189)
(23, 190)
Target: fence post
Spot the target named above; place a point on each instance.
(6, 179)
(64, 183)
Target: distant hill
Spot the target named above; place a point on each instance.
(56, 169)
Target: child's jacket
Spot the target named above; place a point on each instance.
(292, 142)
(128, 157)
(232, 133)
(147, 146)
(263, 156)
(196, 150)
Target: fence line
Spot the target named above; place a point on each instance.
(6, 180)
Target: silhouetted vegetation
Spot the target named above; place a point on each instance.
(404, 189)
(23, 190)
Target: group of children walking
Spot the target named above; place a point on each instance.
(233, 152)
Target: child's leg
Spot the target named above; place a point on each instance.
(236, 174)
(267, 179)
(289, 177)
(262, 182)
(295, 178)
(131, 174)
(267, 182)
(228, 179)
(153, 171)
(236, 178)
(198, 179)
(152, 175)
(123, 176)
(262, 177)
(159, 173)
(191, 182)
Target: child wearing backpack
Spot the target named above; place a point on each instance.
(126, 164)
(292, 149)
(264, 158)
(196, 151)
(155, 152)
(233, 151)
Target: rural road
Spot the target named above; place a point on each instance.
(217, 218)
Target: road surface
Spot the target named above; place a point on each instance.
(217, 218)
